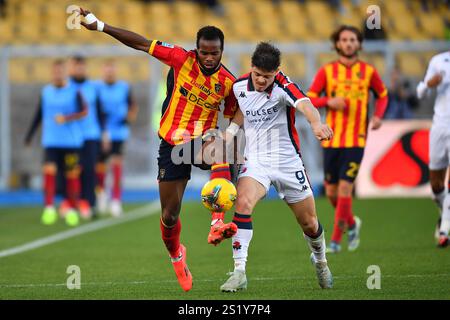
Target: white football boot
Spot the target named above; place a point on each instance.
(102, 202)
(237, 281)
(116, 208)
(323, 273)
(353, 235)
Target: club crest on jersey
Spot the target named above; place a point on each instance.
(217, 87)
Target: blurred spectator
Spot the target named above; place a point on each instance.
(2, 8)
(402, 97)
(213, 5)
(447, 30)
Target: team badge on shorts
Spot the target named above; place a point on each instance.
(162, 173)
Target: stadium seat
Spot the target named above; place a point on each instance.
(299, 30)
(20, 70)
(293, 65)
(376, 60)
(411, 64)
(397, 8)
(41, 70)
(324, 58)
(426, 56)
(6, 32)
(433, 25)
(406, 26)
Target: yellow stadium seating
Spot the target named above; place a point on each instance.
(250, 21)
(293, 65)
(244, 20)
(432, 25)
(411, 64)
(406, 26)
(377, 60)
(324, 58)
(6, 32)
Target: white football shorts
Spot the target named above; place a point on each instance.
(292, 184)
(439, 148)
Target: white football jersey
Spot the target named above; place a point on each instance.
(440, 63)
(269, 121)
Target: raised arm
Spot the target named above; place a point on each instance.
(128, 38)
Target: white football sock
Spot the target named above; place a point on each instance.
(317, 246)
(445, 222)
(240, 242)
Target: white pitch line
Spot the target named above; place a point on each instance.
(132, 215)
(262, 279)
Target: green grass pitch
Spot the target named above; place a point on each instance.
(129, 261)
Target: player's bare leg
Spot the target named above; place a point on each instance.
(305, 213)
(437, 182)
(331, 191)
(171, 195)
(250, 192)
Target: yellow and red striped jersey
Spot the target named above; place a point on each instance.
(193, 100)
(352, 83)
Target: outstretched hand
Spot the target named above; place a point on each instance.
(91, 26)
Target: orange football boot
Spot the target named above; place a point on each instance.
(220, 231)
(184, 276)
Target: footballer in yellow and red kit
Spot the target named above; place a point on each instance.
(343, 87)
(193, 97)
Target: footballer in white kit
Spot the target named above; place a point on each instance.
(272, 149)
(438, 76)
(267, 102)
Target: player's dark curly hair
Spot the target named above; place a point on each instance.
(337, 34)
(266, 57)
(210, 33)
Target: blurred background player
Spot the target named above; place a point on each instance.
(438, 76)
(197, 84)
(119, 109)
(346, 83)
(60, 109)
(93, 134)
(267, 103)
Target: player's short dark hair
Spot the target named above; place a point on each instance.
(79, 58)
(210, 33)
(266, 57)
(335, 36)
